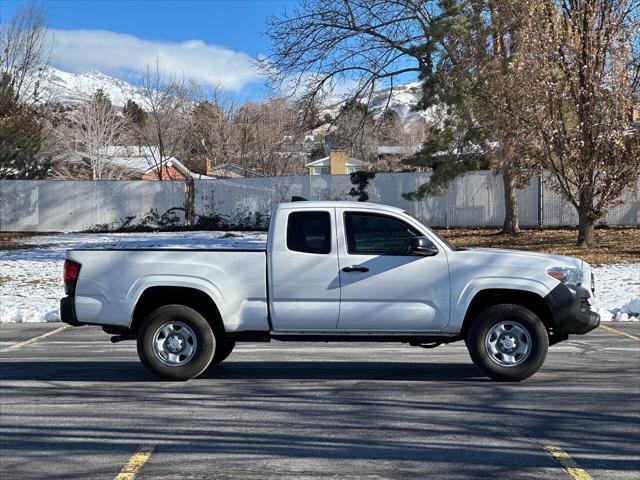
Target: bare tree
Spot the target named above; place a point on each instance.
(353, 45)
(584, 80)
(265, 137)
(277, 126)
(212, 127)
(91, 137)
(323, 42)
(164, 132)
(23, 52)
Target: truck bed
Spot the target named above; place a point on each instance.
(111, 281)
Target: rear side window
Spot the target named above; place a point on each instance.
(309, 232)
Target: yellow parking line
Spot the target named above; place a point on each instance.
(569, 465)
(35, 339)
(135, 463)
(620, 332)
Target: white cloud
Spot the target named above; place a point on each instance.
(121, 54)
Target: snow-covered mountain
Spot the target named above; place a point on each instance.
(64, 87)
(402, 98)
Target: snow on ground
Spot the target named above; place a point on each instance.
(617, 295)
(31, 278)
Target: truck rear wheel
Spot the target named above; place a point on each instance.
(175, 342)
(223, 350)
(508, 342)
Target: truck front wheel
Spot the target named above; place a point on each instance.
(508, 342)
(175, 342)
(223, 350)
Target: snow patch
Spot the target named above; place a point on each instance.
(617, 295)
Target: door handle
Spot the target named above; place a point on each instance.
(355, 268)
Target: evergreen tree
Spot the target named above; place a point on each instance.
(355, 130)
(20, 137)
(133, 113)
(389, 128)
(317, 153)
(101, 98)
(450, 150)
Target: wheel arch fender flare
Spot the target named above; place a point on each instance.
(483, 293)
(177, 283)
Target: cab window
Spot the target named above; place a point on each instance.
(372, 234)
(309, 232)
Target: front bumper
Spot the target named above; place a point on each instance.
(570, 310)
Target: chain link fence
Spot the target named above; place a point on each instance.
(71, 206)
(472, 200)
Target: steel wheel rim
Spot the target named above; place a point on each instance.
(508, 344)
(174, 343)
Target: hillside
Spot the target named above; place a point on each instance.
(65, 87)
(402, 99)
(57, 86)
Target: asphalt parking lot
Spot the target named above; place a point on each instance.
(74, 405)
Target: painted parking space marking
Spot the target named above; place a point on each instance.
(34, 339)
(569, 465)
(620, 332)
(135, 463)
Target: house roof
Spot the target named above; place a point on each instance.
(134, 158)
(235, 168)
(323, 129)
(325, 162)
(145, 165)
(397, 149)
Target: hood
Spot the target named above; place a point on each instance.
(521, 258)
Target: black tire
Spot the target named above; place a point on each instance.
(223, 350)
(537, 342)
(203, 347)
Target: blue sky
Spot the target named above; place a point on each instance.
(214, 40)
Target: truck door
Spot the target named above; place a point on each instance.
(304, 287)
(383, 287)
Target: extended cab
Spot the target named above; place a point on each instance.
(332, 271)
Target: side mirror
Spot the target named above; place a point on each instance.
(422, 246)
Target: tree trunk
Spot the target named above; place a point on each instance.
(511, 224)
(189, 201)
(585, 229)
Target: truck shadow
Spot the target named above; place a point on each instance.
(104, 371)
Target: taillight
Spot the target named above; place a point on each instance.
(70, 273)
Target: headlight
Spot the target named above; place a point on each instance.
(568, 275)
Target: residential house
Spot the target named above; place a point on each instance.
(118, 162)
(337, 163)
(141, 163)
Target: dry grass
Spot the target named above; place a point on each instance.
(613, 245)
(12, 240)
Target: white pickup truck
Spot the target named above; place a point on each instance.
(332, 271)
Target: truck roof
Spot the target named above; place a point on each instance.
(303, 205)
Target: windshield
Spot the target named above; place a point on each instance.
(443, 240)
